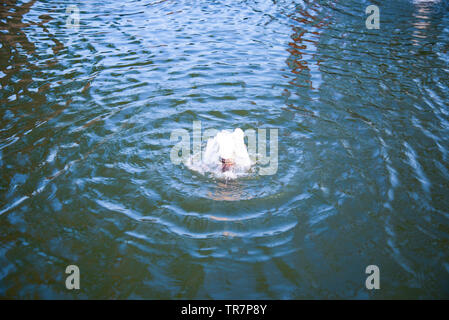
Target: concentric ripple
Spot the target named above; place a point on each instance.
(86, 120)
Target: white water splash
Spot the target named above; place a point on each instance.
(225, 145)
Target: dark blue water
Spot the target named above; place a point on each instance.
(86, 178)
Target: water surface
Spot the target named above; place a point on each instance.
(86, 178)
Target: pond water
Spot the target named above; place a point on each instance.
(87, 115)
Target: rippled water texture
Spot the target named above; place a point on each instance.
(86, 178)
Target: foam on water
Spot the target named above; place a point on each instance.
(225, 145)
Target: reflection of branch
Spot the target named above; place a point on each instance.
(312, 20)
(16, 60)
(15, 37)
(14, 24)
